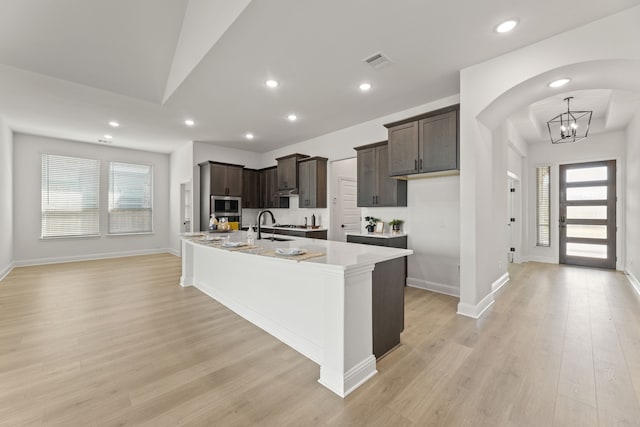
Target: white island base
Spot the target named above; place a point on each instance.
(321, 308)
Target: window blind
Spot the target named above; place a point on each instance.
(543, 206)
(130, 201)
(69, 196)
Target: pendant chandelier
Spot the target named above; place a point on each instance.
(571, 126)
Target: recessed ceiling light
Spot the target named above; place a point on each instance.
(114, 124)
(292, 117)
(365, 87)
(507, 26)
(249, 135)
(559, 82)
(108, 136)
(189, 122)
(272, 83)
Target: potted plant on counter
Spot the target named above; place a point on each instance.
(371, 223)
(396, 225)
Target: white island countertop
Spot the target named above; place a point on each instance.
(341, 255)
(321, 306)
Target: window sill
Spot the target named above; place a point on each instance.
(146, 233)
(93, 236)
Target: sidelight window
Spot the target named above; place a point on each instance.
(543, 206)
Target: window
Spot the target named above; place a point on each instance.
(130, 201)
(69, 197)
(542, 206)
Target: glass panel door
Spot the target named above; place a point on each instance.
(588, 214)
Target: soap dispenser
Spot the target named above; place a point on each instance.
(313, 220)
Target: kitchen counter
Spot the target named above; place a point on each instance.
(338, 255)
(298, 231)
(321, 306)
(376, 235)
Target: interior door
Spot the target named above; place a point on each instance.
(348, 208)
(588, 214)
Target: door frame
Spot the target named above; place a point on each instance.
(516, 227)
(611, 261)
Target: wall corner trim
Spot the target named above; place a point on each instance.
(502, 280)
(440, 288)
(635, 284)
(476, 311)
(5, 271)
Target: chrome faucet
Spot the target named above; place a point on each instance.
(273, 221)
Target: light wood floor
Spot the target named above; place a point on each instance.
(118, 342)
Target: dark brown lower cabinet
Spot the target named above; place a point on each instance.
(387, 295)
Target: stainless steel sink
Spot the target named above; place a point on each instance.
(277, 239)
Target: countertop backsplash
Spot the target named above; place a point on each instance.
(292, 215)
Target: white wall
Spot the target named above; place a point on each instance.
(30, 249)
(433, 224)
(180, 172)
(488, 95)
(6, 198)
(607, 146)
(633, 201)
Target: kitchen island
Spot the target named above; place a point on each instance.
(321, 306)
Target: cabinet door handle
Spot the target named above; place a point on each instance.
(373, 200)
(415, 165)
(420, 163)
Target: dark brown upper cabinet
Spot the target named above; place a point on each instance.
(375, 187)
(251, 189)
(223, 179)
(269, 187)
(424, 144)
(288, 172)
(312, 185)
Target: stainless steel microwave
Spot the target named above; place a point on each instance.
(226, 206)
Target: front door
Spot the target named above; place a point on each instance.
(588, 214)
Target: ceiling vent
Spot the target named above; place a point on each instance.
(378, 60)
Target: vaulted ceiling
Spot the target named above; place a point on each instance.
(68, 67)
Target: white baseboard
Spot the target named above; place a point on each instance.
(502, 280)
(354, 377)
(543, 259)
(88, 257)
(440, 288)
(475, 311)
(635, 284)
(174, 252)
(5, 271)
